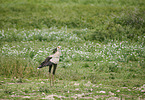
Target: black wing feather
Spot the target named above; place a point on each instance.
(45, 63)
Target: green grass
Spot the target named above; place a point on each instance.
(116, 20)
(71, 13)
(63, 89)
(103, 49)
(116, 65)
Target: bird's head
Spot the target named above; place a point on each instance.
(58, 48)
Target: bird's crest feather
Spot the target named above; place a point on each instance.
(54, 50)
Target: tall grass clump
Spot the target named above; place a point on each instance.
(19, 67)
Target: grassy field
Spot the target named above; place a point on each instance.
(103, 49)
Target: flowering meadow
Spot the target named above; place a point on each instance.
(108, 63)
(102, 56)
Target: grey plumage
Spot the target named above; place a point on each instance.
(54, 58)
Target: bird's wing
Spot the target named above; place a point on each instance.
(48, 58)
(44, 63)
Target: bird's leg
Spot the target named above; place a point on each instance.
(54, 69)
(50, 78)
(50, 74)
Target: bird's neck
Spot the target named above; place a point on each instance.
(58, 53)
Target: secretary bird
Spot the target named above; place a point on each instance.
(52, 61)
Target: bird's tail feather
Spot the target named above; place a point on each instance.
(39, 67)
(43, 64)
